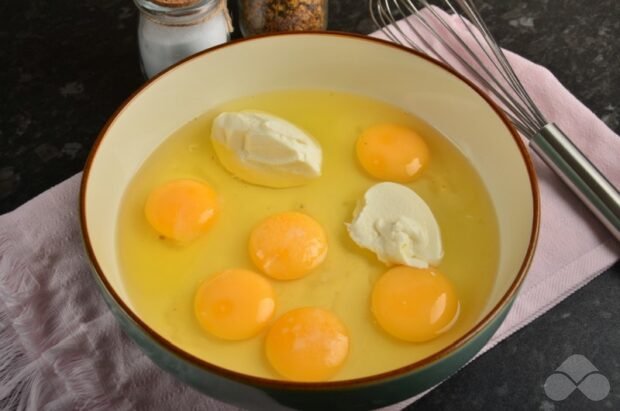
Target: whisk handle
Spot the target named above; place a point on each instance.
(583, 178)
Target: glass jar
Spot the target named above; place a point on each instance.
(271, 16)
(170, 30)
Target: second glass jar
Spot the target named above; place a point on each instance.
(272, 16)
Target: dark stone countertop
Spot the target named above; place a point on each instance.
(66, 66)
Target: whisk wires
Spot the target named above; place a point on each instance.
(429, 32)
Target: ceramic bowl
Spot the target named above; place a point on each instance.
(339, 62)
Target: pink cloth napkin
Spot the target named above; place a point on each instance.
(60, 347)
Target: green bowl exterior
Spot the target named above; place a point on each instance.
(370, 394)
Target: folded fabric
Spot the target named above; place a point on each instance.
(60, 347)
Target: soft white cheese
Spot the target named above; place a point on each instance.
(396, 224)
(264, 149)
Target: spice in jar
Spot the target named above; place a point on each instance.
(269, 16)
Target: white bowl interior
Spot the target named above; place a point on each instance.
(312, 61)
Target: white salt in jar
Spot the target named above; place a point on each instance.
(170, 30)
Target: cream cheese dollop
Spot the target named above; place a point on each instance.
(264, 149)
(396, 224)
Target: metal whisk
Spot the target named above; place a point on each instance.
(486, 63)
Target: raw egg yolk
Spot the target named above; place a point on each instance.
(288, 245)
(413, 304)
(391, 152)
(235, 304)
(181, 210)
(307, 344)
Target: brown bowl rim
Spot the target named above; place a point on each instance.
(350, 383)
